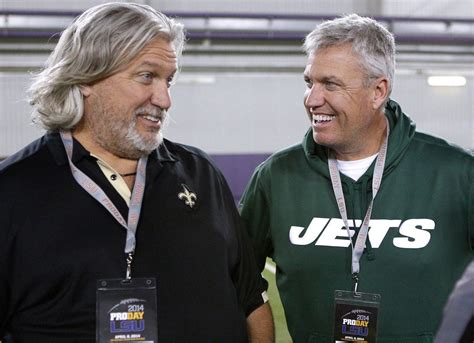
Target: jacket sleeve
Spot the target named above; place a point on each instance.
(249, 283)
(254, 210)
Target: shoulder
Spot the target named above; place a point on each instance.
(24, 159)
(441, 158)
(188, 154)
(195, 168)
(440, 148)
(282, 157)
(276, 169)
(192, 162)
(184, 150)
(282, 160)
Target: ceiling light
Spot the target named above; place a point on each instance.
(446, 81)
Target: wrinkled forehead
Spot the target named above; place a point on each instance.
(336, 60)
(161, 47)
(341, 53)
(160, 52)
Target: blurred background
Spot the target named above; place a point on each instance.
(240, 92)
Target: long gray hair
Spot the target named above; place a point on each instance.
(96, 45)
(372, 42)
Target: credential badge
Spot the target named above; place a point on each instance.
(188, 197)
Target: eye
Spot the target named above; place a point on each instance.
(170, 81)
(146, 77)
(308, 83)
(330, 85)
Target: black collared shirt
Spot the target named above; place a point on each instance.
(56, 241)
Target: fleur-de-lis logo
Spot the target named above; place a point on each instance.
(188, 197)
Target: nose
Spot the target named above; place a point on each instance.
(161, 96)
(314, 97)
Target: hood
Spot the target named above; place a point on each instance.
(402, 130)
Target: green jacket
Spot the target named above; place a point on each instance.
(421, 233)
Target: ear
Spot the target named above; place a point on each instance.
(86, 90)
(380, 92)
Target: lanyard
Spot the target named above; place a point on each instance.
(98, 194)
(358, 248)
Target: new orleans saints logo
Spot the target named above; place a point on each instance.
(188, 197)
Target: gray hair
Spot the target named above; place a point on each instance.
(96, 45)
(372, 42)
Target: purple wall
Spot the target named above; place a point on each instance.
(237, 169)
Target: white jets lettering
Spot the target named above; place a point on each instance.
(334, 230)
(314, 230)
(416, 236)
(331, 232)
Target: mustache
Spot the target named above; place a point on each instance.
(151, 111)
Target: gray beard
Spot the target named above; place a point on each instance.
(141, 146)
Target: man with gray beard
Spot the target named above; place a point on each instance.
(108, 231)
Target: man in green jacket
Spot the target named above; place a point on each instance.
(405, 198)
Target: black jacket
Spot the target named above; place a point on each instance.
(56, 241)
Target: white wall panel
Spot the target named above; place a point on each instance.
(264, 112)
(444, 111)
(255, 112)
(239, 113)
(16, 129)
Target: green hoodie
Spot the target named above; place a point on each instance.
(421, 234)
